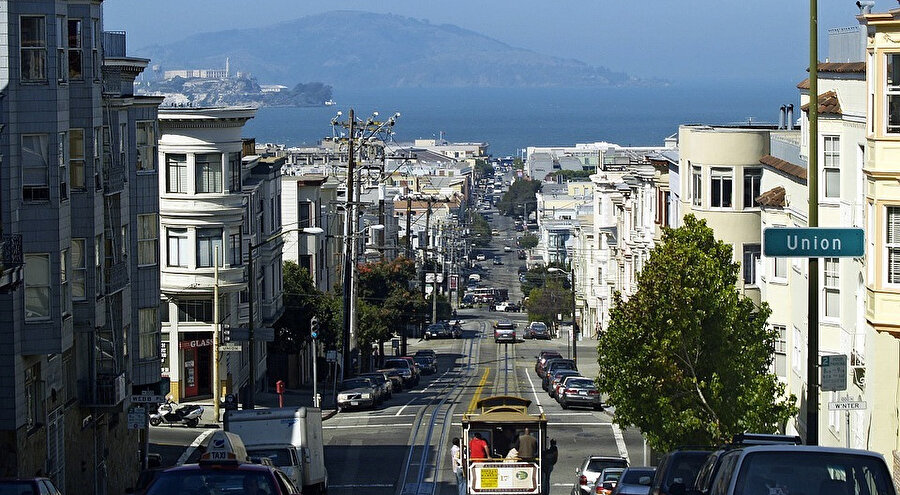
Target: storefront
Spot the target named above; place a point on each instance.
(195, 350)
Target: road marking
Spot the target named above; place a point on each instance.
(477, 394)
(620, 442)
(534, 391)
(193, 446)
(402, 425)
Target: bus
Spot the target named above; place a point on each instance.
(500, 420)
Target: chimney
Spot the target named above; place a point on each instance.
(790, 117)
(781, 115)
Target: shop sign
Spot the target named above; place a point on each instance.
(190, 344)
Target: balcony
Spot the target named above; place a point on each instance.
(11, 261)
(105, 391)
(116, 277)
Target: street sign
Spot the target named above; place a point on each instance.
(815, 242)
(137, 418)
(834, 373)
(147, 399)
(847, 405)
(331, 356)
(230, 347)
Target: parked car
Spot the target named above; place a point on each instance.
(590, 468)
(537, 330)
(480, 257)
(426, 352)
(396, 377)
(497, 261)
(504, 331)
(426, 363)
(580, 392)
(558, 379)
(607, 481)
(407, 371)
(357, 393)
(555, 365)
(703, 481)
(507, 249)
(795, 469)
(384, 383)
(634, 481)
(677, 469)
(541, 360)
(439, 330)
(27, 486)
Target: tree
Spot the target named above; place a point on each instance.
(302, 301)
(518, 197)
(687, 358)
(545, 303)
(528, 241)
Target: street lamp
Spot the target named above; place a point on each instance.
(571, 274)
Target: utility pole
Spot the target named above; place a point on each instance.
(812, 171)
(574, 320)
(408, 228)
(348, 253)
(425, 254)
(217, 327)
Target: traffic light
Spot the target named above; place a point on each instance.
(314, 327)
(226, 333)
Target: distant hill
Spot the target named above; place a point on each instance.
(360, 49)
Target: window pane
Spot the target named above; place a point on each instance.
(37, 286)
(176, 170)
(893, 113)
(209, 172)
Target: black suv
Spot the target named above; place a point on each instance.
(677, 470)
(703, 481)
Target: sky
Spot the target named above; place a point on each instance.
(676, 40)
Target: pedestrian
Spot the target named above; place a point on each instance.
(527, 445)
(478, 448)
(456, 461)
(550, 456)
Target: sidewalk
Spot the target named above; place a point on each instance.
(265, 400)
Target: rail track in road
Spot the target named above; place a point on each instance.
(431, 427)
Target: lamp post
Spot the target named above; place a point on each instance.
(571, 274)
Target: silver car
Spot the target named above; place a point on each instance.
(357, 393)
(590, 469)
(579, 391)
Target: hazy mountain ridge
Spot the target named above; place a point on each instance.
(362, 49)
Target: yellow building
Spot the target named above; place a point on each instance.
(881, 170)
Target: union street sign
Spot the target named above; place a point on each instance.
(813, 242)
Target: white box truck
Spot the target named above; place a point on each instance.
(291, 437)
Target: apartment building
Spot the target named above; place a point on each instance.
(881, 189)
(217, 206)
(80, 284)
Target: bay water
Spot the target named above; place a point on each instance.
(512, 119)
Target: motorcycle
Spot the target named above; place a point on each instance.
(171, 414)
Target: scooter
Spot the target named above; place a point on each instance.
(171, 414)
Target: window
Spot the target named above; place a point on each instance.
(148, 322)
(208, 241)
(751, 259)
(98, 165)
(177, 242)
(33, 48)
(209, 172)
(892, 244)
(892, 91)
(62, 160)
(37, 286)
(721, 180)
(176, 173)
(752, 179)
(76, 159)
(780, 267)
(148, 235)
(780, 339)
(145, 135)
(65, 307)
(234, 249)
(76, 67)
(78, 269)
(62, 64)
(34, 413)
(35, 167)
(95, 48)
(234, 169)
(195, 311)
(697, 186)
(98, 264)
(797, 351)
(831, 165)
(832, 287)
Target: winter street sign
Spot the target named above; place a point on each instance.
(847, 405)
(834, 373)
(814, 242)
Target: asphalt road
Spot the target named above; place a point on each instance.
(402, 447)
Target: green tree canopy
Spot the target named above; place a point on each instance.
(528, 241)
(687, 358)
(546, 302)
(385, 299)
(302, 301)
(519, 198)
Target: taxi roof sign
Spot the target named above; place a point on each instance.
(224, 447)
